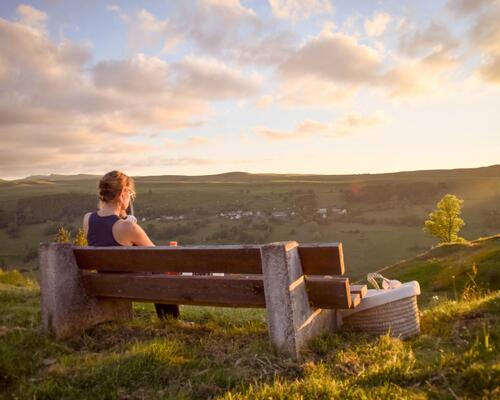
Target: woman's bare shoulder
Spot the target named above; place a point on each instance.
(86, 222)
(123, 225)
(126, 230)
(86, 218)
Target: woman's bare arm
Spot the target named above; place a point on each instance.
(139, 237)
(129, 233)
(86, 223)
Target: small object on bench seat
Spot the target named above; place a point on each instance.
(83, 286)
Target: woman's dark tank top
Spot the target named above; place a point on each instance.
(100, 231)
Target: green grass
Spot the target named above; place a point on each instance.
(225, 354)
(447, 269)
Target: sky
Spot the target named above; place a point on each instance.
(262, 86)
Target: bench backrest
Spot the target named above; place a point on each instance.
(316, 259)
(137, 273)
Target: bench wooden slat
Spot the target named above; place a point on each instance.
(226, 259)
(192, 290)
(322, 258)
(316, 259)
(355, 300)
(228, 291)
(325, 291)
(360, 289)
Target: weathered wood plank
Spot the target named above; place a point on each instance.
(355, 300)
(316, 259)
(328, 292)
(177, 289)
(228, 291)
(322, 258)
(225, 259)
(360, 289)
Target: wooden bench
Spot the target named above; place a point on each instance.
(301, 286)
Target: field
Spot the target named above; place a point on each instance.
(225, 353)
(382, 224)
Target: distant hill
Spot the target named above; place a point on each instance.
(58, 177)
(246, 177)
(436, 268)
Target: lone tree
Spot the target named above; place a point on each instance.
(445, 221)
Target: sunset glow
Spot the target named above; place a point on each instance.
(211, 86)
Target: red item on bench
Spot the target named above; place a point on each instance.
(172, 243)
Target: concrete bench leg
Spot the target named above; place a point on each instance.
(291, 320)
(67, 309)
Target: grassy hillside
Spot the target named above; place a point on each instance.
(225, 353)
(448, 269)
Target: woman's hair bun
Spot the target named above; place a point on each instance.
(111, 185)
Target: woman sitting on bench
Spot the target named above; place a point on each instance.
(111, 226)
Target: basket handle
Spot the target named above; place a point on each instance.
(386, 283)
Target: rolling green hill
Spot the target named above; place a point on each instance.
(448, 268)
(383, 222)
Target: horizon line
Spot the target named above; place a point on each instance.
(251, 173)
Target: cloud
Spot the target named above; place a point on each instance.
(351, 122)
(490, 70)
(485, 37)
(265, 48)
(145, 31)
(485, 32)
(416, 77)
(215, 28)
(31, 16)
(335, 57)
(230, 7)
(140, 75)
(189, 143)
(343, 126)
(309, 92)
(211, 79)
(114, 8)
(377, 25)
(344, 66)
(435, 37)
(295, 10)
(275, 135)
(467, 7)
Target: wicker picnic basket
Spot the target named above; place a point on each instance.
(391, 309)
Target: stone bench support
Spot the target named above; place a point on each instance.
(66, 308)
(292, 322)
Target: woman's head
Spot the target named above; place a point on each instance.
(116, 187)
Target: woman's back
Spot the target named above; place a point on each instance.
(108, 229)
(100, 230)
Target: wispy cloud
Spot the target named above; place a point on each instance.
(377, 25)
(189, 143)
(295, 10)
(343, 126)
